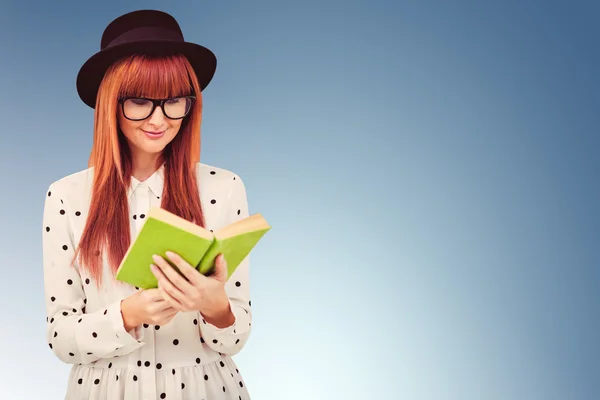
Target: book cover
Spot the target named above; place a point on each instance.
(164, 231)
(235, 241)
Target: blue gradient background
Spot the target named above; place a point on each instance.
(430, 170)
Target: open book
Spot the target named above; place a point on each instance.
(164, 231)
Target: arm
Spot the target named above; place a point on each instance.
(73, 335)
(231, 339)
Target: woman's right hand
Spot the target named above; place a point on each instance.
(146, 307)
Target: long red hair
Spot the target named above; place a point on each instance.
(107, 227)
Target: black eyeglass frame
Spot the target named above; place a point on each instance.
(155, 103)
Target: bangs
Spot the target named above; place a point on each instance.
(155, 77)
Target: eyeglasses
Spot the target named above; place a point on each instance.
(140, 108)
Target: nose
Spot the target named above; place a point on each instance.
(157, 117)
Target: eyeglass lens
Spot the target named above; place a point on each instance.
(142, 108)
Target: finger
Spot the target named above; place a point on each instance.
(170, 301)
(165, 318)
(161, 305)
(164, 283)
(194, 278)
(220, 273)
(168, 313)
(171, 312)
(156, 300)
(152, 295)
(170, 273)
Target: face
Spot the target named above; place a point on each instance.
(151, 135)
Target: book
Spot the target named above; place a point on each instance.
(164, 231)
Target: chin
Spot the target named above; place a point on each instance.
(153, 148)
(153, 145)
(150, 146)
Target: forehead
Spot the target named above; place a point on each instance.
(155, 78)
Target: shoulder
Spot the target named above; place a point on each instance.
(220, 183)
(219, 179)
(76, 179)
(72, 185)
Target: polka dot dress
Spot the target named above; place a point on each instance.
(187, 358)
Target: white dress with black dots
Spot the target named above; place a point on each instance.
(185, 359)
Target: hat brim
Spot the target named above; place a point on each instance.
(90, 75)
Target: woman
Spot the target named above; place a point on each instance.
(176, 341)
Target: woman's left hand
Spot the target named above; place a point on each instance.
(193, 291)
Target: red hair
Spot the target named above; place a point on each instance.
(107, 226)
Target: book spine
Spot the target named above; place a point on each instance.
(206, 264)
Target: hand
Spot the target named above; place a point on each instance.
(194, 291)
(146, 307)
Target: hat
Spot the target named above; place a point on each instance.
(146, 32)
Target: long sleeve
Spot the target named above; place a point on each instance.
(74, 335)
(231, 340)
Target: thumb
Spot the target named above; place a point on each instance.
(220, 272)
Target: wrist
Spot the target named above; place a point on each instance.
(129, 320)
(221, 315)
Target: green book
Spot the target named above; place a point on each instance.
(164, 231)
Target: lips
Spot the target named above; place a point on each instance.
(154, 135)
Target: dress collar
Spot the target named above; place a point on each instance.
(155, 182)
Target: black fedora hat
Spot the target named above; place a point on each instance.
(147, 32)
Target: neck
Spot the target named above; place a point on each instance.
(144, 165)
